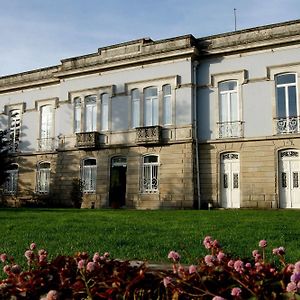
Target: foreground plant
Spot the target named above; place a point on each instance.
(217, 276)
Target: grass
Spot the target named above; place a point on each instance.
(147, 235)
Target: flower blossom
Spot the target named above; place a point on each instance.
(220, 256)
(291, 287)
(192, 269)
(32, 246)
(29, 254)
(81, 264)
(297, 267)
(174, 255)
(207, 242)
(279, 251)
(96, 257)
(209, 260)
(90, 267)
(16, 269)
(167, 281)
(263, 244)
(239, 266)
(236, 292)
(6, 269)
(3, 257)
(52, 295)
(230, 264)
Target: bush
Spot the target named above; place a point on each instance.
(216, 276)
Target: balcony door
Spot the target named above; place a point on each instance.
(117, 191)
(289, 171)
(230, 180)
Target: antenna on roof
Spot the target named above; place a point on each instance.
(234, 12)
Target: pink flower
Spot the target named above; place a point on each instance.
(207, 242)
(239, 266)
(218, 298)
(192, 269)
(106, 255)
(258, 267)
(32, 246)
(279, 251)
(96, 257)
(3, 257)
(255, 253)
(90, 267)
(291, 287)
(16, 269)
(297, 267)
(230, 263)
(236, 292)
(81, 264)
(6, 269)
(295, 277)
(220, 256)
(167, 281)
(248, 265)
(42, 252)
(52, 295)
(209, 260)
(174, 255)
(262, 244)
(29, 254)
(290, 268)
(42, 255)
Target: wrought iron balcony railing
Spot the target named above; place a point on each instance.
(233, 129)
(148, 135)
(86, 140)
(46, 144)
(287, 125)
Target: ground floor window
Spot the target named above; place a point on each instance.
(43, 177)
(11, 182)
(89, 175)
(150, 174)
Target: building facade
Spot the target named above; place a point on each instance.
(175, 123)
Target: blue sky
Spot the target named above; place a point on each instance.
(39, 33)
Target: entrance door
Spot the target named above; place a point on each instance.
(289, 169)
(230, 180)
(117, 191)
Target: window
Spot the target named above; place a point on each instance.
(77, 115)
(104, 112)
(167, 105)
(11, 182)
(43, 177)
(14, 129)
(135, 108)
(230, 124)
(46, 129)
(151, 106)
(90, 113)
(286, 94)
(150, 174)
(89, 175)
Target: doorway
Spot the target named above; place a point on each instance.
(289, 169)
(230, 180)
(117, 190)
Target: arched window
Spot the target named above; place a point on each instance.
(150, 174)
(11, 182)
(135, 108)
(43, 177)
(89, 175)
(151, 106)
(167, 105)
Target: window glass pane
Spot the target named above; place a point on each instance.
(285, 78)
(89, 162)
(104, 112)
(292, 101)
(150, 159)
(233, 107)
(227, 86)
(167, 105)
(281, 109)
(135, 108)
(155, 111)
(167, 89)
(151, 92)
(148, 112)
(224, 115)
(46, 121)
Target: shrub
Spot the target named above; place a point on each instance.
(216, 276)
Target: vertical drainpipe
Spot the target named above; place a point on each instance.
(195, 131)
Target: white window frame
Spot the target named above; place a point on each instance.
(90, 113)
(167, 105)
(77, 114)
(46, 127)
(135, 108)
(11, 182)
(150, 175)
(151, 107)
(89, 176)
(286, 95)
(43, 177)
(104, 111)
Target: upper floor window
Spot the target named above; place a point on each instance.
(14, 129)
(90, 113)
(43, 177)
(229, 124)
(46, 128)
(89, 175)
(151, 116)
(77, 115)
(167, 105)
(286, 103)
(104, 112)
(135, 108)
(11, 182)
(150, 174)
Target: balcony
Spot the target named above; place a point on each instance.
(88, 140)
(148, 135)
(230, 129)
(287, 125)
(46, 144)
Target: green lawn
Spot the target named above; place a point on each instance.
(147, 235)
